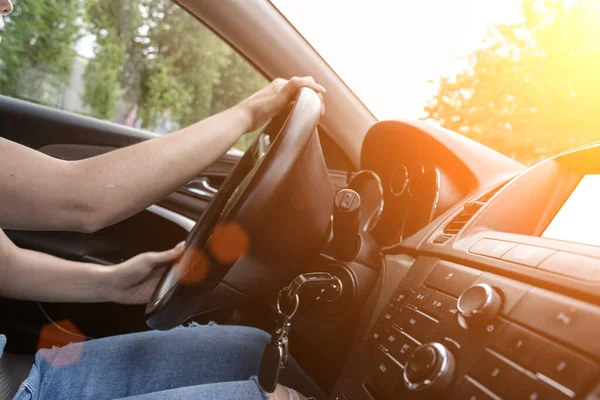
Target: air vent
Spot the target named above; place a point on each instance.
(463, 217)
(468, 211)
(490, 194)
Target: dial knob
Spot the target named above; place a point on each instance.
(478, 305)
(430, 366)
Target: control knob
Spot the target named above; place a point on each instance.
(431, 366)
(478, 305)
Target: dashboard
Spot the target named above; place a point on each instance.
(497, 298)
(423, 174)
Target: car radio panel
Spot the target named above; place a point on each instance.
(462, 333)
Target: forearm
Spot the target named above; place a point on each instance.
(41, 192)
(29, 275)
(123, 182)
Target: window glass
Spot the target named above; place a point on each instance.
(520, 76)
(142, 63)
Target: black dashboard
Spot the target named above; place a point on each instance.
(424, 173)
(497, 298)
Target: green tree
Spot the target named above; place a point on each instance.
(114, 24)
(37, 51)
(237, 80)
(163, 61)
(532, 89)
(152, 61)
(189, 57)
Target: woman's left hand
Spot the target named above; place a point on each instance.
(134, 281)
(267, 102)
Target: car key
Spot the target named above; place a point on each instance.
(274, 358)
(276, 353)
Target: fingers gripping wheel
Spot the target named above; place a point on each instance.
(244, 202)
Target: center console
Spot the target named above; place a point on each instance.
(502, 300)
(449, 331)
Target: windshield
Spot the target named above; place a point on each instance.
(518, 76)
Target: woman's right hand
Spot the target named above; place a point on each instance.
(267, 102)
(133, 281)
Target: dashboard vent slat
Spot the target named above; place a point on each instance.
(468, 211)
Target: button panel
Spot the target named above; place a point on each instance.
(432, 302)
(491, 247)
(494, 373)
(573, 265)
(404, 348)
(568, 320)
(531, 256)
(516, 355)
(469, 389)
(401, 296)
(391, 315)
(378, 334)
(420, 297)
(564, 366)
(519, 345)
(438, 304)
(417, 324)
(532, 388)
(386, 372)
(390, 339)
(451, 278)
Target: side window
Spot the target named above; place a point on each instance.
(141, 63)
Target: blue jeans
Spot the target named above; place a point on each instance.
(203, 362)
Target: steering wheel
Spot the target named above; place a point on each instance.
(234, 218)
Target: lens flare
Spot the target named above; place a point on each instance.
(65, 335)
(198, 263)
(229, 242)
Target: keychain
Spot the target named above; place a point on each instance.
(275, 356)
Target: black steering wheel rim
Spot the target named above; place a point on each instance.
(246, 191)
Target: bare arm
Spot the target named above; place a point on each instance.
(29, 275)
(40, 192)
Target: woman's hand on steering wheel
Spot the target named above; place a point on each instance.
(265, 184)
(134, 280)
(272, 99)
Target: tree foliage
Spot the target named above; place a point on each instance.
(37, 48)
(153, 64)
(111, 23)
(152, 55)
(532, 89)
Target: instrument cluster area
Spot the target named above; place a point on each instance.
(420, 178)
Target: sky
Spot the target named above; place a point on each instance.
(388, 51)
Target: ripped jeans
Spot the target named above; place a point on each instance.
(204, 362)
